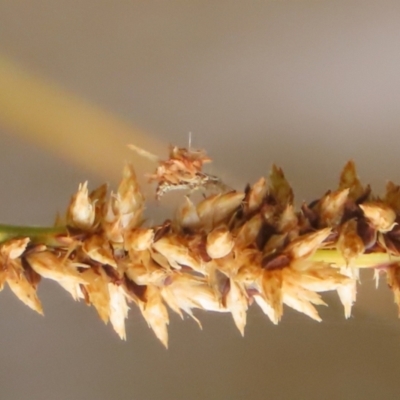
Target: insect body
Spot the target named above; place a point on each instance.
(182, 171)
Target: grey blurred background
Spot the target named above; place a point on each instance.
(305, 84)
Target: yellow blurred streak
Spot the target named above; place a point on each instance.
(67, 125)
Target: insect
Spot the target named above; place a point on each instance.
(181, 171)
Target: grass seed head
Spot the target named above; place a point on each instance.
(230, 250)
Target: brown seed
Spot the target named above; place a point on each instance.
(275, 261)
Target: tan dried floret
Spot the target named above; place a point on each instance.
(155, 313)
(143, 269)
(48, 265)
(98, 198)
(186, 215)
(96, 291)
(218, 208)
(288, 221)
(123, 210)
(317, 276)
(81, 211)
(332, 207)
(177, 253)
(247, 233)
(381, 216)
(99, 250)
(138, 239)
(350, 243)
(256, 195)
(130, 201)
(301, 299)
(237, 304)
(118, 309)
(185, 292)
(349, 180)
(21, 286)
(219, 242)
(304, 246)
(13, 249)
(13, 272)
(271, 293)
(279, 187)
(347, 292)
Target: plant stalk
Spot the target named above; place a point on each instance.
(39, 235)
(49, 236)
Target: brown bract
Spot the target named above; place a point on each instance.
(20, 280)
(228, 251)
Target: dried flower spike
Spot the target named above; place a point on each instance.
(225, 253)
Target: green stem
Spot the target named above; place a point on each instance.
(363, 261)
(50, 236)
(43, 235)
